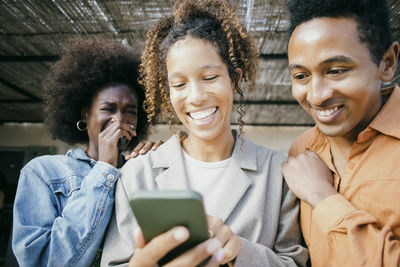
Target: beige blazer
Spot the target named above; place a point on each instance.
(255, 203)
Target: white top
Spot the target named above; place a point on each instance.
(206, 178)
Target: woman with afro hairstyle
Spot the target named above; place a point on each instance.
(64, 202)
(194, 62)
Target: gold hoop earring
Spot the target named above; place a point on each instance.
(81, 125)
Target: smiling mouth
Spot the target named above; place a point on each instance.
(203, 116)
(327, 114)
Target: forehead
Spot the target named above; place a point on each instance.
(192, 53)
(116, 93)
(322, 38)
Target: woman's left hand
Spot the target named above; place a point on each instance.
(231, 243)
(143, 148)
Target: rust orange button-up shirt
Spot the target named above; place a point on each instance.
(360, 226)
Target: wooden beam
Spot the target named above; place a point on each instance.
(19, 101)
(28, 58)
(20, 90)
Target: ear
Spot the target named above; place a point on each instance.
(238, 81)
(84, 114)
(390, 59)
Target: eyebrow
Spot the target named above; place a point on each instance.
(342, 59)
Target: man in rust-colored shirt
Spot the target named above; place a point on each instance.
(346, 170)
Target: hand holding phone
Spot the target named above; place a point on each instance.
(148, 255)
(158, 211)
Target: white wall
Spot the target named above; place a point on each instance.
(35, 134)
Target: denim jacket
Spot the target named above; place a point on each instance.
(61, 209)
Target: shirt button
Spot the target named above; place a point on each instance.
(110, 177)
(351, 165)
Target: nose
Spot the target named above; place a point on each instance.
(319, 91)
(118, 116)
(197, 93)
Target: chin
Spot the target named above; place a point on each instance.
(333, 131)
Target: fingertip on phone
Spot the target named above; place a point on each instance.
(213, 245)
(180, 233)
(219, 255)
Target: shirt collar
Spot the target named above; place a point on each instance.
(79, 154)
(387, 119)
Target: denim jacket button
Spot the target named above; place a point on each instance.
(110, 177)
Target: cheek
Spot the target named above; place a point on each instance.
(299, 93)
(176, 102)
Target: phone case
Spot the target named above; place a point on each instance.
(158, 211)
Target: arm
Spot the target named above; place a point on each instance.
(45, 234)
(288, 249)
(346, 229)
(355, 233)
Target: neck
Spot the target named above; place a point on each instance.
(210, 150)
(340, 146)
(92, 152)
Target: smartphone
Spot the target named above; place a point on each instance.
(158, 211)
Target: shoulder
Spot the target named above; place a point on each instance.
(300, 144)
(135, 164)
(163, 157)
(257, 158)
(263, 153)
(53, 167)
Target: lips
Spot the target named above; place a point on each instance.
(327, 114)
(203, 116)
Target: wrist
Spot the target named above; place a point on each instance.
(320, 196)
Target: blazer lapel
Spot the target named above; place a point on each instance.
(173, 178)
(169, 156)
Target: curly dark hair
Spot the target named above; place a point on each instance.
(84, 68)
(371, 16)
(212, 20)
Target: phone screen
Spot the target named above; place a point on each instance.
(158, 211)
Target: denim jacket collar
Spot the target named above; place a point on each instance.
(79, 154)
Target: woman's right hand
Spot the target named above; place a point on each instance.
(108, 140)
(147, 255)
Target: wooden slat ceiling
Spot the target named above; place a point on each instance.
(32, 31)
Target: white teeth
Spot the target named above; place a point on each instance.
(327, 112)
(202, 114)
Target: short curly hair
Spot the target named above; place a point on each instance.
(212, 20)
(85, 67)
(371, 16)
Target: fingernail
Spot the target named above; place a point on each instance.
(180, 234)
(133, 154)
(213, 245)
(219, 255)
(141, 151)
(126, 157)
